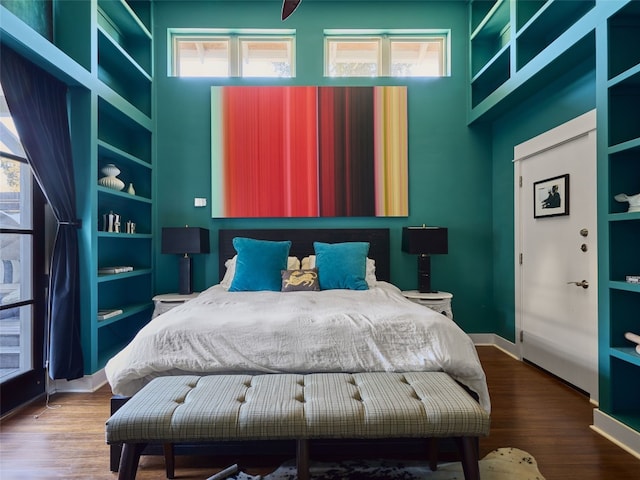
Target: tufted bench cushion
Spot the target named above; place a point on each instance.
(290, 406)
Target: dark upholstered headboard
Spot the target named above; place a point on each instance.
(302, 243)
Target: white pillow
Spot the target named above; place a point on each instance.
(292, 264)
(370, 273)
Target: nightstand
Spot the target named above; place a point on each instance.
(438, 301)
(166, 301)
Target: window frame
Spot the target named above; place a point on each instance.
(386, 38)
(354, 38)
(234, 54)
(28, 381)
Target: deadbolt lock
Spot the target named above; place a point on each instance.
(584, 232)
(584, 247)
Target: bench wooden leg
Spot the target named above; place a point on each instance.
(115, 453)
(302, 459)
(115, 450)
(129, 460)
(169, 460)
(468, 447)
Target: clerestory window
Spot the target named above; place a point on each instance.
(220, 54)
(392, 53)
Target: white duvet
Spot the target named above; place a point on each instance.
(302, 332)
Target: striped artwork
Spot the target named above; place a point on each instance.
(309, 151)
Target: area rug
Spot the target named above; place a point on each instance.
(501, 464)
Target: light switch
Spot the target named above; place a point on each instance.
(199, 202)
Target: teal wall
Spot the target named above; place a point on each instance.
(460, 177)
(35, 13)
(450, 171)
(569, 96)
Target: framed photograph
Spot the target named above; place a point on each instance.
(551, 197)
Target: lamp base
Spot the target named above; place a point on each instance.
(424, 274)
(184, 287)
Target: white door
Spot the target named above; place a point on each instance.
(556, 275)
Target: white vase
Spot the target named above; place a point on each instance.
(131, 190)
(111, 180)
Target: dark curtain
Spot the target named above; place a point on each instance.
(38, 104)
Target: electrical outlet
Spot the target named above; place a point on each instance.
(199, 202)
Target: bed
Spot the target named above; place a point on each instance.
(336, 330)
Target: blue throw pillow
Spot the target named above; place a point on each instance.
(258, 264)
(342, 265)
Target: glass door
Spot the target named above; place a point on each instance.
(22, 272)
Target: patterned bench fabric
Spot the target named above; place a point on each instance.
(290, 406)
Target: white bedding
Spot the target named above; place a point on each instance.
(270, 332)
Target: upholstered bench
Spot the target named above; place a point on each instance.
(288, 406)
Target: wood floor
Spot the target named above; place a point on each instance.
(531, 411)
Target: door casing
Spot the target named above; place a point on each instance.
(586, 378)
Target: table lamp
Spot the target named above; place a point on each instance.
(184, 241)
(424, 241)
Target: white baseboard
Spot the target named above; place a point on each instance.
(617, 432)
(86, 384)
(497, 341)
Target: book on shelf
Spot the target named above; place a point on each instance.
(108, 313)
(112, 270)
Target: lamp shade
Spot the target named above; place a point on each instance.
(425, 240)
(184, 240)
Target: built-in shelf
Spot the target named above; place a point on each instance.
(620, 362)
(120, 71)
(127, 311)
(111, 338)
(119, 21)
(622, 33)
(125, 50)
(123, 194)
(627, 354)
(624, 105)
(622, 285)
(492, 76)
(119, 276)
(551, 20)
(120, 129)
(625, 75)
(114, 153)
(493, 65)
(490, 37)
(625, 400)
(624, 217)
(480, 12)
(525, 11)
(126, 236)
(123, 136)
(520, 45)
(625, 146)
(494, 17)
(123, 15)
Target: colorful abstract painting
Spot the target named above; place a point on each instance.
(309, 151)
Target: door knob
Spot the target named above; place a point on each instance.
(583, 284)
